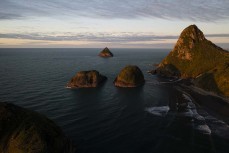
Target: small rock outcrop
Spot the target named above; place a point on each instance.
(194, 57)
(106, 53)
(130, 76)
(25, 131)
(86, 79)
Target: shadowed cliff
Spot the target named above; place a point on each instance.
(25, 131)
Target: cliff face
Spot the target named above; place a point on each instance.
(23, 131)
(198, 58)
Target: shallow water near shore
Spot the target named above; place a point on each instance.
(156, 117)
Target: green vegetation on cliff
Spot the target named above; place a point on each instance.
(130, 76)
(24, 131)
(196, 57)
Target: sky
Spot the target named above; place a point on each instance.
(111, 23)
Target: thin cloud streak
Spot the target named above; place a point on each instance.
(195, 10)
(9, 16)
(217, 35)
(98, 37)
(105, 37)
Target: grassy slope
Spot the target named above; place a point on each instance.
(209, 63)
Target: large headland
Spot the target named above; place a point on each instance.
(199, 60)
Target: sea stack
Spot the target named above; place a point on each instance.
(194, 57)
(25, 131)
(86, 79)
(130, 76)
(106, 53)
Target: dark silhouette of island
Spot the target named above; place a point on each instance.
(130, 76)
(106, 53)
(22, 130)
(86, 79)
(196, 58)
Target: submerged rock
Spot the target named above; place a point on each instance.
(86, 79)
(106, 53)
(130, 76)
(25, 131)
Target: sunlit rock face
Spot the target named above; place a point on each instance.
(197, 58)
(86, 79)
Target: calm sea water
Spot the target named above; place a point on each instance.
(106, 119)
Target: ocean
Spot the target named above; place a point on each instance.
(108, 119)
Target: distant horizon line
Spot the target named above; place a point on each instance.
(87, 48)
(227, 49)
(78, 48)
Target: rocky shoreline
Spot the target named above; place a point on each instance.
(217, 105)
(213, 103)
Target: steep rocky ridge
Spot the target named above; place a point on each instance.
(195, 57)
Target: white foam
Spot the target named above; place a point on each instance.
(199, 117)
(187, 98)
(203, 123)
(203, 129)
(170, 81)
(158, 111)
(177, 80)
(199, 121)
(186, 113)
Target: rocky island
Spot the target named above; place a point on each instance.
(25, 131)
(106, 53)
(198, 59)
(130, 76)
(86, 79)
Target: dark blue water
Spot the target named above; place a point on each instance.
(105, 119)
